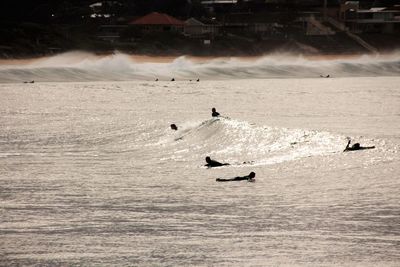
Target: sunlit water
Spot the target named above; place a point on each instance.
(92, 175)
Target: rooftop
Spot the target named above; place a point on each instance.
(156, 18)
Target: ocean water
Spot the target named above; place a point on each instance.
(92, 175)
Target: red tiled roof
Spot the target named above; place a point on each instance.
(156, 18)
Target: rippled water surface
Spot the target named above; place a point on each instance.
(91, 174)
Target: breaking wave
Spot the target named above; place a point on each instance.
(80, 66)
(241, 143)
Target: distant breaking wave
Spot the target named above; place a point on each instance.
(80, 66)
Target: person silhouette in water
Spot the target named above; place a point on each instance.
(249, 178)
(174, 127)
(356, 146)
(213, 163)
(214, 112)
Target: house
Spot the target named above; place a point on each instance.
(158, 22)
(248, 23)
(219, 5)
(197, 29)
(347, 9)
(373, 20)
(110, 33)
(104, 9)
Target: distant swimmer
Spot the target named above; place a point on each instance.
(214, 112)
(249, 178)
(213, 163)
(173, 79)
(198, 80)
(174, 127)
(156, 79)
(356, 146)
(327, 76)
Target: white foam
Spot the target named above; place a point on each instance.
(81, 66)
(230, 139)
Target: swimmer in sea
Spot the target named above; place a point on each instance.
(213, 163)
(173, 79)
(214, 112)
(249, 178)
(174, 127)
(356, 146)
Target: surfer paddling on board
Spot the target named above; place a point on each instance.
(213, 163)
(214, 112)
(356, 146)
(249, 178)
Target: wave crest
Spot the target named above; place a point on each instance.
(80, 66)
(237, 142)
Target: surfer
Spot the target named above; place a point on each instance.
(156, 80)
(249, 178)
(213, 163)
(198, 80)
(214, 112)
(174, 127)
(173, 80)
(356, 146)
